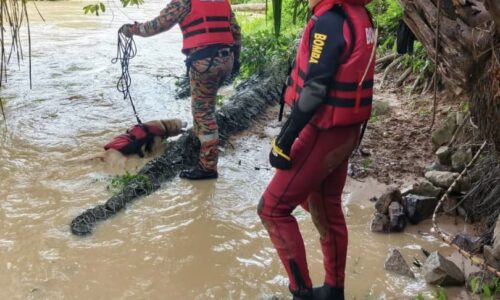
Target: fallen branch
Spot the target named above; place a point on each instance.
(476, 260)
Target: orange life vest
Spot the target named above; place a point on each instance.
(348, 100)
(208, 23)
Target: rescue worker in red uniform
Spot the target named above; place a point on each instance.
(330, 91)
(212, 42)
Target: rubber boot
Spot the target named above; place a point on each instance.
(327, 292)
(302, 294)
(197, 173)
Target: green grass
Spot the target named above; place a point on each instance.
(260, 45)
(119, 182)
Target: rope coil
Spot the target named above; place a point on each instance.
(126, 50)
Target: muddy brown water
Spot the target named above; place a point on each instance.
(189, 240)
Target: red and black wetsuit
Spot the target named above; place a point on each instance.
(330, 92)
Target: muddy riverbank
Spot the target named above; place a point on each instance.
(200, 240)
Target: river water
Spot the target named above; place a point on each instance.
(189, 240)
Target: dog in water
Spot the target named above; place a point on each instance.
(142, 139)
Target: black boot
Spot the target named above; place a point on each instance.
(303, 294)
(327, 292)
(198, 173)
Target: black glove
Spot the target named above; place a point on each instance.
(281, 146)
(128, 29)
(280, 152)
(279, 158)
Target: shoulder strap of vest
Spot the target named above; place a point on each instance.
(339, 10)
(352, 32)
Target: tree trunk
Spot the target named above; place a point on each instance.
(468, 52)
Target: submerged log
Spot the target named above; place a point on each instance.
(252, 97)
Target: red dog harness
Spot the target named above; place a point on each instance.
(137, 136)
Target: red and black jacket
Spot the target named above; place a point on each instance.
(332, 59)
(208, 23)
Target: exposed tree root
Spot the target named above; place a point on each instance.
(403, 76)
(389, 68)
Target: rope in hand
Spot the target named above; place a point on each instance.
(126, 50)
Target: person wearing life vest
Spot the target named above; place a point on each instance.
(212, 43)
(330, 91)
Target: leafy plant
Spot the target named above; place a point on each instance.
(100, 7)
(486, 289)
(420, 297)
(263, 47)
(94, 8)
(440, 294)
(386, 15)
(121, 181)
(219, 100)
(366, 163)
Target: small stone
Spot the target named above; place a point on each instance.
(436, 166)
(444, 155)
(449, 206)
(380, 223)
(425, 188)
(489, 257)
(460, 159)
(441, 271)
(407, 190)
(466, 184)
(380, 108)
(418, 208)
(467, 242)
(397, 264)
(444, 134)
(397, 217)
(441, 179)
(392, 195)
